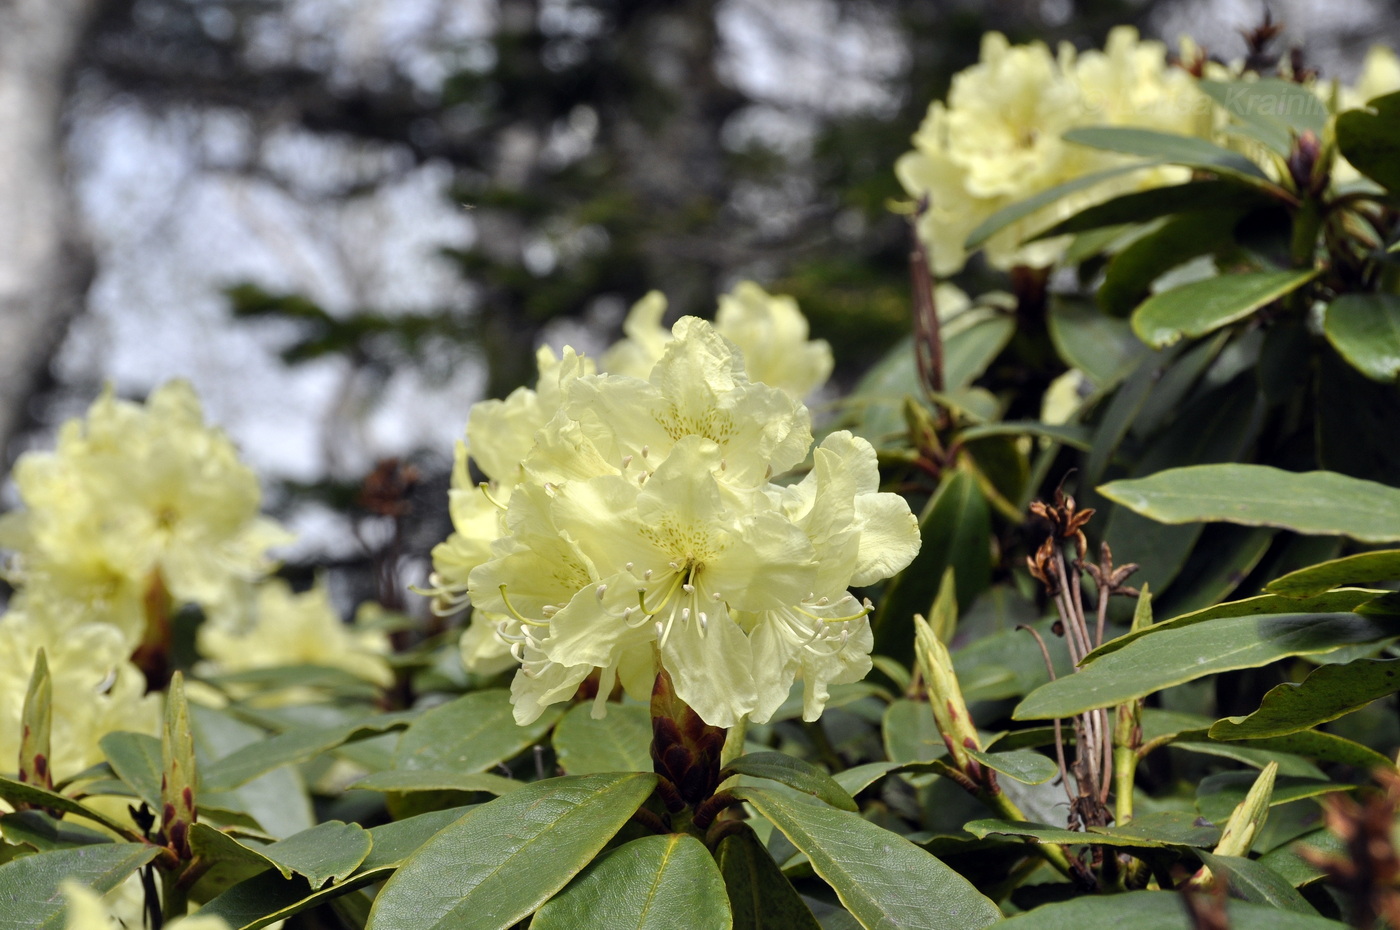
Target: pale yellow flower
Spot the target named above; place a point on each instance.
(139, 501)
(997, 139)
(769, 330)
(87, 911)
(651, 537)
(295, 629)
(96, 690)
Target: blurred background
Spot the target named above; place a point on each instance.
(346, 220)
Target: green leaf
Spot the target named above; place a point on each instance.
(1101, 346)
(277, 800)
(30, 896)
(1156, 202)
(1365, 330)
(17, 792)
(900, 886)
(1329, 692)
(621, 742)
(135, 757)
(1256, 883)
(1317, 502)
(654, 883)
(470, 734)
(1078, 437)
(1202, 307)
(1342, 601)
(1297, 871)
(1029, 768)
(1279, 111)
(411, 780)
(956, 531)
(42, 832)
(760, 896)
(1370, 140)
(1156, 910)
(1024, 208)
(215, 847)
(1218, 795)
(1169, 148)
(1132, 272)
(1161, 657)
(503, 860)
(910, 733)
(1153, 831)
(269, 897)
(795, 773)
(299, 744)
(327, 852)
(857, 778)
(1314, 744)
(1362, 568)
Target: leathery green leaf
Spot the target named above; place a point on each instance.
(1161, 657)
(1365, 330)
(1362, 568)
(760, 896)
(1168, 147)
(1150, 831)
(29, 886)
(500, 862)
(1329, 692)
(1370, 138)
(1202, 307)
(1317, 502)
(621, 742)
(884, 880)
(795, 773)
(470, 734)
(1157, 910)
(654, 883)
(1254, 881)
(1029, 768)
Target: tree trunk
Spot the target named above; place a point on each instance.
(44, 264)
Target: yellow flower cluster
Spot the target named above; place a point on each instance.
(140, 510)
(997, 139)
(636, 525)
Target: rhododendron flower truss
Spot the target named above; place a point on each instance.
(648, 535)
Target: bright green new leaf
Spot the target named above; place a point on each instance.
(654, 883)
(795, 773)
(1249, 815)
(1365, 330)
(29, 886)
(1202, 307)
(1362, 568)
(1329, 692)
(620, 742)
(1317, 502)
(1161, 657)
(470, 734)
(1156, 910)
(36, 721)
(760, 896)
(500, 862)
(884, 880)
